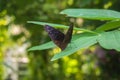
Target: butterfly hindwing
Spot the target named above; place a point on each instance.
(68, 36)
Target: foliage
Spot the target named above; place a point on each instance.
(93, 63)
(103, 38)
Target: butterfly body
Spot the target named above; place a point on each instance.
(58, 37)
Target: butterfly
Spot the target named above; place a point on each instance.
(60, 39)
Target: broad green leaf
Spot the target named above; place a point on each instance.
(43, 46)
(51, 24)
(109, 26)
(110, 40)
(97, 14)
(47, 45)
(59, 26)
(50, 44)
(80, 43)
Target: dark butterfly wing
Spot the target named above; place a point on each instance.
(56, 36)
(67, 37)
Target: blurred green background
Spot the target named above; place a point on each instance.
(16, 36)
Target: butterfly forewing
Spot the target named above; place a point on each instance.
(56, 36)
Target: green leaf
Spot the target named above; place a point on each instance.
(59, 26)
(80, 43)
(50, 44)
(43, 46)
(110, 40)
(109, 26)
(50, 24)
(98, 14)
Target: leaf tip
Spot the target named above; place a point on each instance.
(53, 58)
(28, 21)
(29, 49)
(61, 12)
